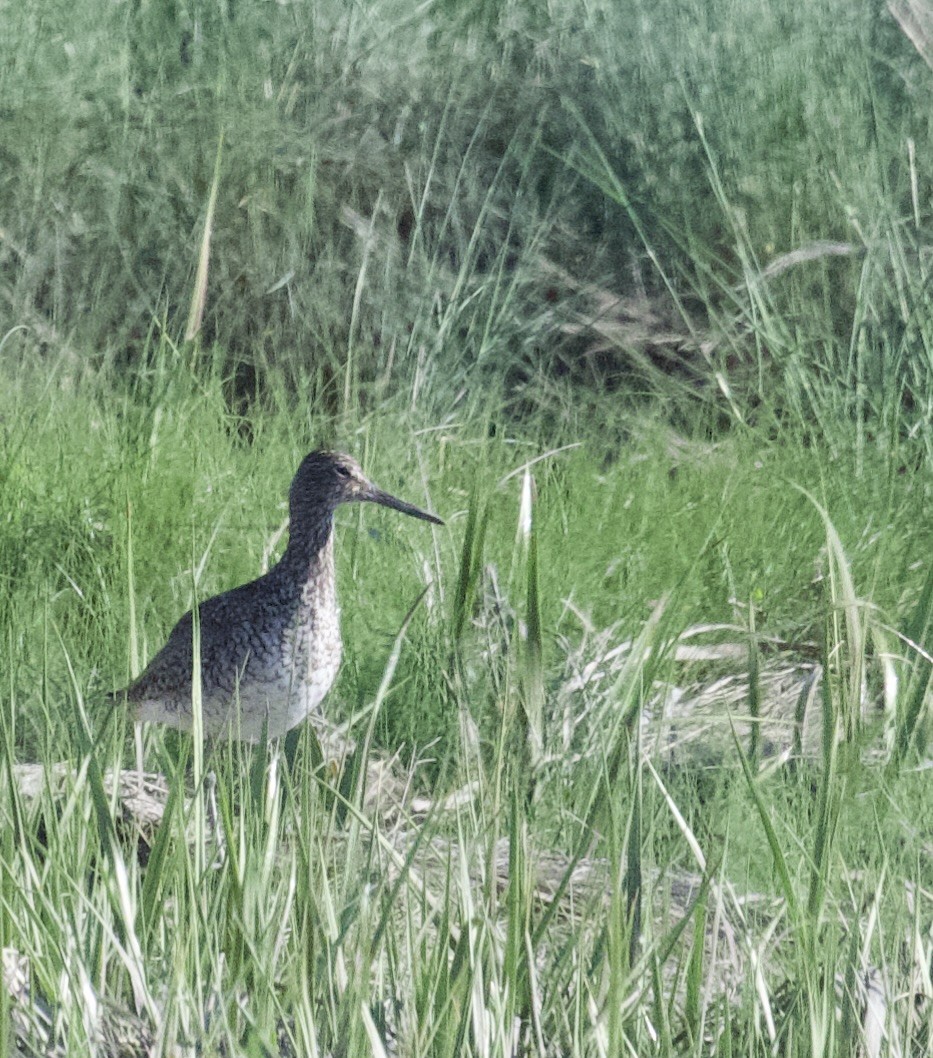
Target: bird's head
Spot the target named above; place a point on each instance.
(326, 479)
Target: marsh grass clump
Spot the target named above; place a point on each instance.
(522, 205)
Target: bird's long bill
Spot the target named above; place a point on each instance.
(375, 495)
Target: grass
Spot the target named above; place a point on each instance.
(328, 916)
(503, 180)
(638, 743)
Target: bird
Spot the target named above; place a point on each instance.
(270, 649)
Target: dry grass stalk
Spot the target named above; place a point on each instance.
(915, 17)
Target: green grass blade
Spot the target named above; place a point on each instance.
(471, 563)
(917, 697)
(788, 888)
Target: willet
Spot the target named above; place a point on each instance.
(270, 649)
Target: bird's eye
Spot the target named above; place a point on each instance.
(342, 471)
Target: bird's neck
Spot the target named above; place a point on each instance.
(310, 551)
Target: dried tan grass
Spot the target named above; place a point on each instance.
(915, 17)
(691, 719)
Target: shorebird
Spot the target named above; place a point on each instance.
(270, 649)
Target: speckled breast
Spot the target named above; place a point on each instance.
(311, 655)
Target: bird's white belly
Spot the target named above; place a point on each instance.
(272, 706)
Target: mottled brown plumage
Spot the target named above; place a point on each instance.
(270, 649)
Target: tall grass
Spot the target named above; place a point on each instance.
(633, 197)
(587, 888)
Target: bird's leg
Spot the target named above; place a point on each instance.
(138, 743)
(214, 823)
